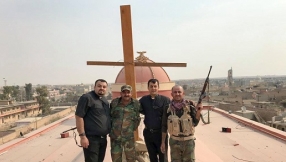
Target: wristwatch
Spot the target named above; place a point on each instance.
(82, 134)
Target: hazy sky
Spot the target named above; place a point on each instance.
(49, 41)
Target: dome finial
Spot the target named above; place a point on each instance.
(141, 57)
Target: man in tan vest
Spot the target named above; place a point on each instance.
(180, 119)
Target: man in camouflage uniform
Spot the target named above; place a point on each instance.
(125, 120)
(180, 119)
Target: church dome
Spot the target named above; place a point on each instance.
(144, 73)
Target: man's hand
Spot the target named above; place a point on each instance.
(199, 106)
(84, 142)
(190, 102)
(163, 147)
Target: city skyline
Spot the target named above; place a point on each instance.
(49, 42)
(203, 79)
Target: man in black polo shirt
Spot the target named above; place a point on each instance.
(93, 122)
(152, 107)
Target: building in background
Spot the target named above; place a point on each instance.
(12, 111)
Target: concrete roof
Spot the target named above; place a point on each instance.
(17, 104)
(243, 143)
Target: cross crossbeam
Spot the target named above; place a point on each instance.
(157, 64)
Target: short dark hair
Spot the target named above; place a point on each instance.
(100, 80)
(153, 81)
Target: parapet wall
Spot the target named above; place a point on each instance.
(37, 124)
(258, 126)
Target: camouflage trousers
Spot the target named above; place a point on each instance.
(117, 147)
(182, 151)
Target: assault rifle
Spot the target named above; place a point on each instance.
(69, 130)
(74, 135)
(203, 92)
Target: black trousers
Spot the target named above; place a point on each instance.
(96, 149)
(153, 143)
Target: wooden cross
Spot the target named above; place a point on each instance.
(129, 63)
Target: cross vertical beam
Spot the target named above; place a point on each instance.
(126, 27)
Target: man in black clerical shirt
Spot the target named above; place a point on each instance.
(152, 107)
(93, 122)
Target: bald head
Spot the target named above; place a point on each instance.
(177, 93)
(177, 87)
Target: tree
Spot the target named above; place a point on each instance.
(71, 97)
(28, 90)
(2, 96)
(7, 91)
(10, 92)
(42, 91)
(15, 92)
(43, 100)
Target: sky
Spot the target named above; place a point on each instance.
(49, 41)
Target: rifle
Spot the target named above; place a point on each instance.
(203, 94)
(69, 130)
(74, 135)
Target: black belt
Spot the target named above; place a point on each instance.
(96, 136)
(153, 130)
(183, 135)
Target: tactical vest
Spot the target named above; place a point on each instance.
(182, 126)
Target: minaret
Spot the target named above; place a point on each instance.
(230, 80)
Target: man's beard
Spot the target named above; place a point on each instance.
(100, 93)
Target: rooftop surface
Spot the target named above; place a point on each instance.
(243, 143)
